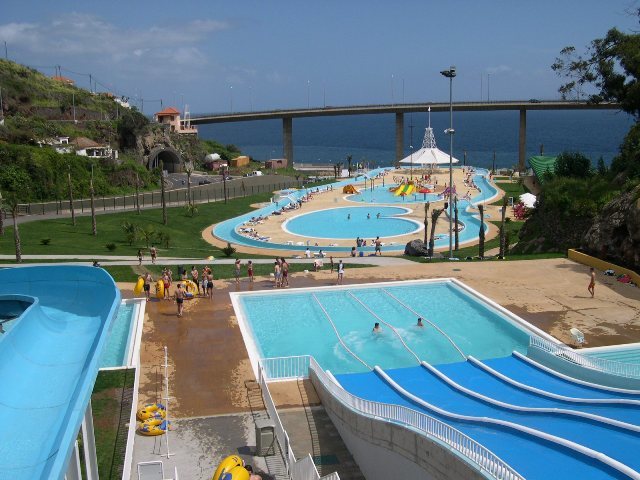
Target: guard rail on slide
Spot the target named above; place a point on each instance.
(426, 320)
(628, 370)
(485, 460)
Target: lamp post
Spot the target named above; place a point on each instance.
(411, 164)
(450, 131)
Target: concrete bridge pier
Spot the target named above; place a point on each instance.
(399, 137)
(522, 140)
(287, 139)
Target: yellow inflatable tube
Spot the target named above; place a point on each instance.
(150, 428)
(227, 465)
(160, 289)
(137, 290)
(151, 410)
(190, 286)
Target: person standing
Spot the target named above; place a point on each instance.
(378, 244)
(194, 277)
(285, 272)
(340, 272)
(139, 256)
(237, 270)
(277, 273)
(592, 282)
(166, 280)
(210, 283)
(179, 295)
(331, 262)
(147, 285)
(154, 253)
(250, 271)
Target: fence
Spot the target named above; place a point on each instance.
(213, 192)
(628, 370)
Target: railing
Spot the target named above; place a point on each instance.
(628, 370)
(303, 469)
(483, 458)
(286, 368)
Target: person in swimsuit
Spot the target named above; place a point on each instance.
(250, 270)
(277, 273)
(180, 299)
(154, 253)
(420, 324)
(147, 285)
(376, 328)
(167, 283)
(592, 283)
(340, 272)
(237, 270)
(331, 262)
(378, 244)
(194, 277)
(285, 272)
(210, 284)
(139, 256)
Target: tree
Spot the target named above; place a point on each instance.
(188, 168)
(94, 227)
(503, 247)
(163, 196)
(1, 215)
(73, 212)
(481, 235)
(455, 223)
(573, 164)
(13, 204)
(137, 193)
(610, 64)
(349, 157)
(426, 223)
(434, 219)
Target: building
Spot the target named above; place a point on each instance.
(64, 80)
(85, 147)
(276, 163)
(171, 117)
(241, 161)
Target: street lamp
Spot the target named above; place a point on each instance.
(411, 164)
(231, 98)
(450, 131)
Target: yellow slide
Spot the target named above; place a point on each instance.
(405, 189)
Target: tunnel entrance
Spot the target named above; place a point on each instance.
(170, 158)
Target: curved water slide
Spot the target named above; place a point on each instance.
(49, 359)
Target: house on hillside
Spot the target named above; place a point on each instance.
(64, 80)
(171, 117)
(85, 147)
(276, 163)
(59, 144)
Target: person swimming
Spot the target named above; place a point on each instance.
(368, 216)
(420, 324)
(376, 328)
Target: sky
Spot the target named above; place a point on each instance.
(258, 55)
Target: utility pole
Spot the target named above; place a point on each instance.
(73, 101)
(94, 228)
(6, 55)
(73, 213)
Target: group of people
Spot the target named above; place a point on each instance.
(378, 329)
(153, 253)
(361, 242)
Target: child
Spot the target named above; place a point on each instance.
(250, 271)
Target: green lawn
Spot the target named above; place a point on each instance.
(125, 273)
(182, 230)
(511, 189)
(107, 417)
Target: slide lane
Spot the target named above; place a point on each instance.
(525, 371)
(471, 375)
(617, 443)
(533, 458)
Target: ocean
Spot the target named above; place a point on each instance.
(370, 139)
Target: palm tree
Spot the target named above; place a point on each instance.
(349, 157)
(426, 222)
(147, 234)
(1, 215)
(481, 235)
(455, 213)
(13, 206)
(188, 168)
(137, 193)
(502, 229)
(434, 219)
(94, 227)
(163, 197)
(73, 213)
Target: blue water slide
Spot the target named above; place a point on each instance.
(524, 370)
(49, 362)
(534, 458)
(617, 443)
(477, 377)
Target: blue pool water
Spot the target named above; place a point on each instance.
(288, 324)
(120, 337)
(625, 354)
(352, 222)
(381, 194)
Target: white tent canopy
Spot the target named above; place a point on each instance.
(429, 154)
(528, 199)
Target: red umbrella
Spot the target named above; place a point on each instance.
(424, 190)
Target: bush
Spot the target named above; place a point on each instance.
(228, 250)
(111, 246)
(45, 241)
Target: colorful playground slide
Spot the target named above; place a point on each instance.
(405, 189)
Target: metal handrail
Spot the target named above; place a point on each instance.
(622, 369)
(387, 324)
(338, 335)
(427, 320)
(482, 457)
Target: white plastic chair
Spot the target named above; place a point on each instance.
(577, 336)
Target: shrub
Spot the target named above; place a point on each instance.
(45, 241)
(228, 250)
(111, 246)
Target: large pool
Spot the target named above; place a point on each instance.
(352, 222)
(382, 194)
(335, 325)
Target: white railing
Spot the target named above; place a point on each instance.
(483, 458)
(628, 370)
(288, 367)
(331, 476)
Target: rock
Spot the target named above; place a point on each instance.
(615, 232)
(416, 248)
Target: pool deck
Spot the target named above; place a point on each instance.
(272, 227)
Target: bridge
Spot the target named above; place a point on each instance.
(399, 110)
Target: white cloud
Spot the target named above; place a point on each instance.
(79, 34)
(499, 69)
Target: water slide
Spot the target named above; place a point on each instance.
(49, 362)
(532, 456)
(405, 189)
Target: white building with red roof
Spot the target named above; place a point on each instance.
(171, 116)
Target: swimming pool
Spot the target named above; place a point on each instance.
(334, 325)
(382, 194)
(121, 334)
(352, 222)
